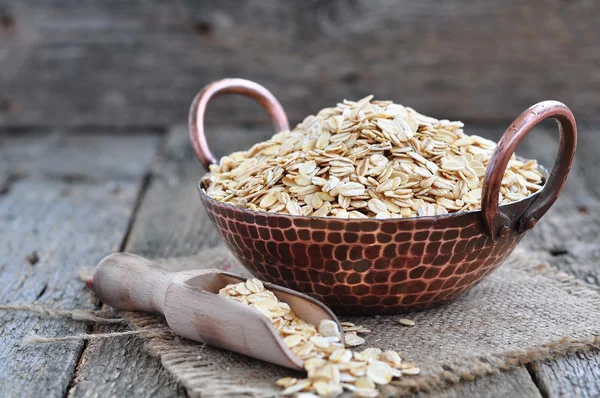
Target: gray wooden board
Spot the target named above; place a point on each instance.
(570, 240)
(515, 383)
(68, 226)
(99, 154)
(141, 62)
(68, 223)
(171, 221)
(576, 375)
(587, 157)
(122, 367)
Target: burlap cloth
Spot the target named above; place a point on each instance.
(523, 312)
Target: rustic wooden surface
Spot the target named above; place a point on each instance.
(52, 225)
(141, 62)
(148, 205)
(516, 383)
(576, 375)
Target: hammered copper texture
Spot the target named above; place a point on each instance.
(366, 266)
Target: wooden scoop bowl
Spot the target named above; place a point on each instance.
(193, 309)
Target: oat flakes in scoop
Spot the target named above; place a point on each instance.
(367, 159)
(330, 367)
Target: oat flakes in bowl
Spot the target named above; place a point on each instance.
(367, 159)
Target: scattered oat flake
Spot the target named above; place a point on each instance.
(328, 328)
(355, 329)
(406, 322)
(411, 371)
(286, 382)
(242, 289)
(297, 387)
(379, 372)
(364, 382)
(254, 285)
(352, 340)
(320, 341)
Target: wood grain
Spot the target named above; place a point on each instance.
(99, 155)
(121, 367)
(515, 384)
(170, 221)
(141, 62)
(65, 227)
(52, 225)
(575, 375)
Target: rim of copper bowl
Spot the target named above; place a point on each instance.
(202, 191)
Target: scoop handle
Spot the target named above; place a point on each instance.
(132, 283)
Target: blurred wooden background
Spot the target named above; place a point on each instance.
(139, 63)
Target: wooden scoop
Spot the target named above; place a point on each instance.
(193, 308)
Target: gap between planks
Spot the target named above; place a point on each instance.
(37, 178)
(144, 185)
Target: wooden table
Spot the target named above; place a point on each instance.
(69, 197)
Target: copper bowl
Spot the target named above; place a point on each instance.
(383, 266)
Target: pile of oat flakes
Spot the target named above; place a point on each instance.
(331, 367)
(367, 159)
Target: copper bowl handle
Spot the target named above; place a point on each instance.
(497, 224)
(229, 86)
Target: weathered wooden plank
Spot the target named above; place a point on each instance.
(99, 154)
(52, 225)
(122, 367)
(49, 230)
(576, 375)
(171, 221)
(569, 237)
(141, 62)
(516, 383)
(587, 159)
